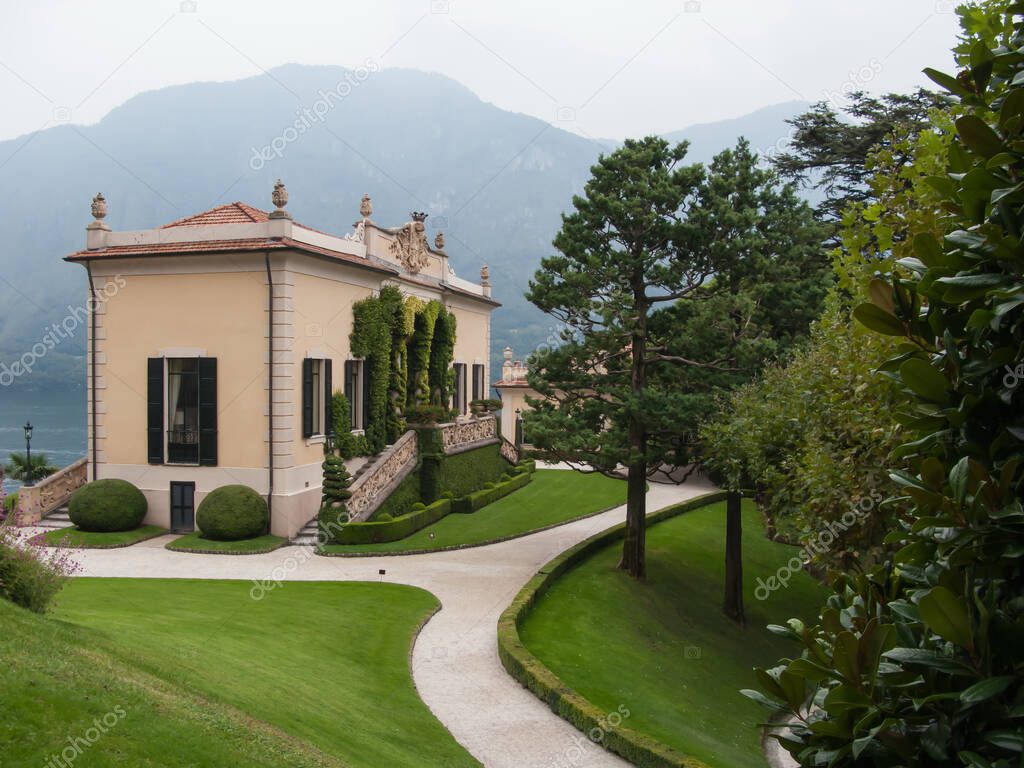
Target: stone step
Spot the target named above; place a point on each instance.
(53, 524)
(303, 539)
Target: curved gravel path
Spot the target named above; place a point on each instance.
(455, 658)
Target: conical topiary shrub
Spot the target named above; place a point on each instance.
(333, 512)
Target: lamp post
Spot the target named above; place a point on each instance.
(28, 453)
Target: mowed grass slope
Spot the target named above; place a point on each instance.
(553, 496)
(314, 673)
(663, 649)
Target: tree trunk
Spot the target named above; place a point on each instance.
(634, 559)
(733, 605)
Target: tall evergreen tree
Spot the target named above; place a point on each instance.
(649, 244)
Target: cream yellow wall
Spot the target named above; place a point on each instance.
(221, 314)
(323, 320)
(472, 340)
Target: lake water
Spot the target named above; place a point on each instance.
(58, 426)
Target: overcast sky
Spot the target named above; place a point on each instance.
(608, 69)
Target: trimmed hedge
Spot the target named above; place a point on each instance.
(106, 506)
(378, 532)
(474, 501)
(637, 748)
(232, 513)
(466, 472)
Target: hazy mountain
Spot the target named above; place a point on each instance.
(494, 181)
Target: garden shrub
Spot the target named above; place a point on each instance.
(348, 445)
(29, 576)
(428, 414)
(232, 513)
(107, 505)
(10, 502)
(392, 529)
(917, 661)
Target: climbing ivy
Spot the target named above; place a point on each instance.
(441, 376)
(419, 353)
(371, 340)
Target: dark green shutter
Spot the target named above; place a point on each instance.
(366, 393)
(328, 404)
(208, 411)
(307, 397)
(155, 409)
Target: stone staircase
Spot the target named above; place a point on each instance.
(57, 519)
(306, 537)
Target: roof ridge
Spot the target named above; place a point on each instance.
(229, 213)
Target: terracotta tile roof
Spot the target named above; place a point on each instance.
(232, 213)
(225, 246)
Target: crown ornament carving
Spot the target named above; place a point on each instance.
(409, 245)
(366, 207)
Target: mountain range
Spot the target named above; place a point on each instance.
(496, 182)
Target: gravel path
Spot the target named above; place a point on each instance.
(455, 659)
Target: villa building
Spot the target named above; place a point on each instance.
(513, 390)
(216, 341)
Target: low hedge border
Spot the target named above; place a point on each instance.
(638, 748)
(382, 531)
(479, 499)
(453, 547)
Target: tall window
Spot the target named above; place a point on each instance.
(316, 397)
(355, 392)
(459, 396)
(479, 385)
(183, 410)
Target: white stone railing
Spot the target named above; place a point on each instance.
(474, 432)
(50, 493)
(371, 488)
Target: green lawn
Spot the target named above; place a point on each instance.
(312, 674)
(663, 649)
(73, 537)
(553, 496)
(193, 542)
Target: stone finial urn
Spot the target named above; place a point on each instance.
(279, 197)
(366, 207)
(485, 275)
(439, 241)
(99, 207)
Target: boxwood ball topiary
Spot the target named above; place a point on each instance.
(232, 513)
(107, 506)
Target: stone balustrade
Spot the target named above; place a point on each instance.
(459, 436)
(510, 451)
(52, 492)
(380, 479)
